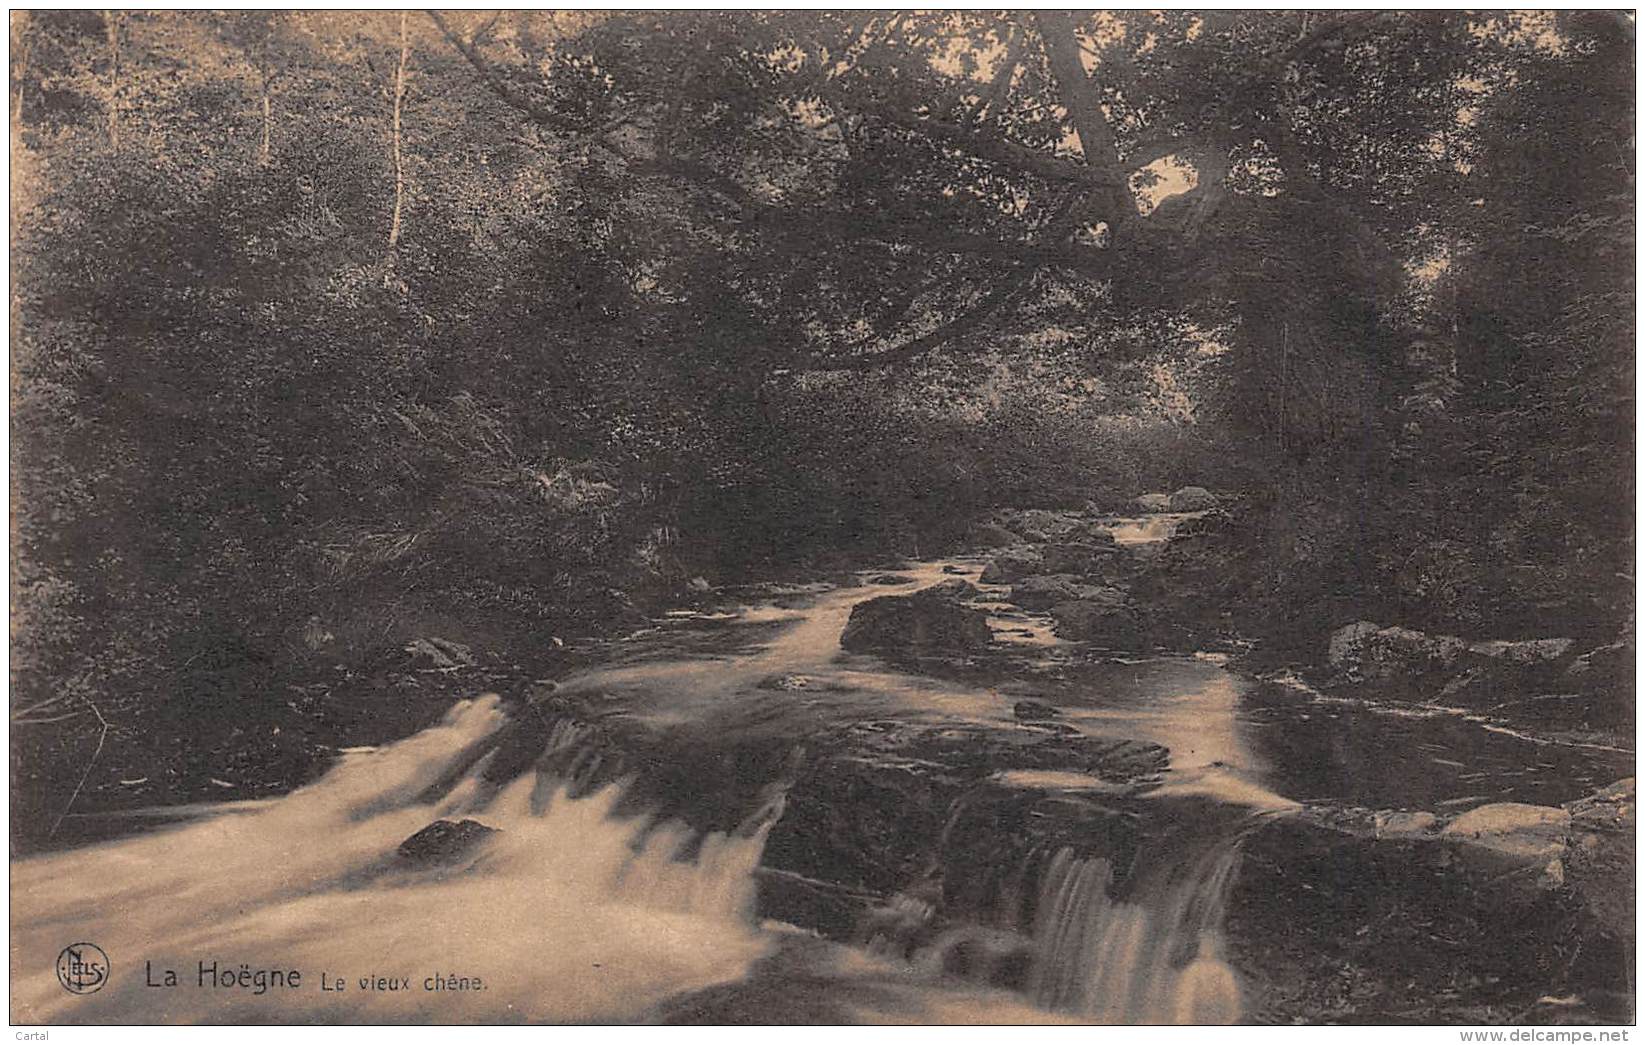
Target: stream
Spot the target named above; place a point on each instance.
(734, 820)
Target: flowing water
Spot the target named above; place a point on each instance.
(1153, 961)
(602, 896)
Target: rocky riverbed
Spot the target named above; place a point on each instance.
(1023, 783)
(948, 731)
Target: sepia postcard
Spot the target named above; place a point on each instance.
(756, 517)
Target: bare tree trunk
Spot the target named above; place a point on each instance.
(111, 23)
(1084, 104)
(399, 152)
(268, 120)
(20, 21)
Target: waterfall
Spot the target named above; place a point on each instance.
(568, 912)
(1153, 958)
(1149, 529)
(583, 903)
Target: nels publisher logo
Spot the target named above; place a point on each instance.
(82, 968)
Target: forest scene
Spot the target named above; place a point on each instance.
(875, 517)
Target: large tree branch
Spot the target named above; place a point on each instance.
(1084, 105)
(1026, 257)
(490, 77)
(815, 224)
(967, 139)
(1072, 256)
(1007, 71)
(1008, 290)
(961, 137)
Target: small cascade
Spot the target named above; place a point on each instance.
(568, 911)
(895, 928)
(1148, 529)
(1155, 957)
(619, 878)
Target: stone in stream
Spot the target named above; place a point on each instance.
(927, 620)
(1192, 499)
(788, 682)
(1405, 824)
(883, 802)
(1507, 906)
(1044, 592)
(439, 653)
(1034, 711)
(444, 842)
(1012, 564)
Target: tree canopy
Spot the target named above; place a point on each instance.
(356, 315)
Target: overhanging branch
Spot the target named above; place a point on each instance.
(489, 76)
(1006, 292)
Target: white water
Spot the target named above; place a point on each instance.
(567, 914)
(1135, 962)
(571, 914)
(1149, 529)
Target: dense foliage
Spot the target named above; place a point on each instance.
(370, 326)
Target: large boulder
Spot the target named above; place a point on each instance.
(1044, 592)
(1154, 502)
(1012, 565)
(878, 807)
(1520, 833)
(1354, 916)
(928, 620)
(1347, 646)
(1600, 862)
(1103, 619)
(993, 535)
(1213, 523)
(1043, 524)
(1073, 558)
(1366, 651)
(1192, 499)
